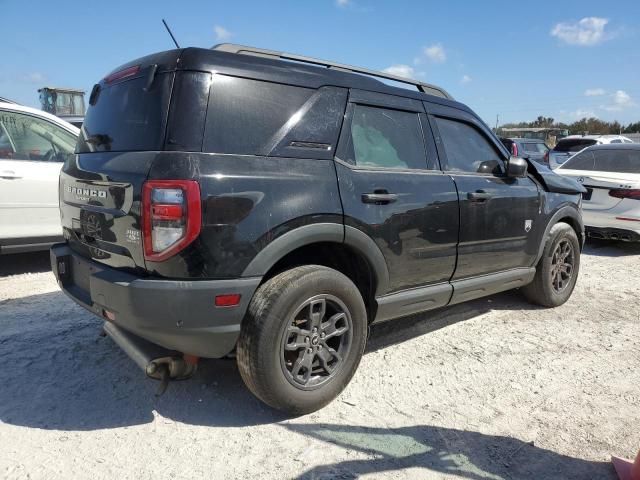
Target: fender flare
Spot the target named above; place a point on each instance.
(317, 233)
(562, 212)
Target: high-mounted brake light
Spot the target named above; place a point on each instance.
(632, 193)
(171, 217)
(119, 75)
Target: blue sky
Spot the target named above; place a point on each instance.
(518, 60)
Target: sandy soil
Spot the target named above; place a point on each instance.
(493, 389)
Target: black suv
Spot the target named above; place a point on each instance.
(238, 201)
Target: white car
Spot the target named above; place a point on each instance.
(611, 175)
(33, 147)
(569, 146)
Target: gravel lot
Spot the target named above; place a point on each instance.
(486, 390)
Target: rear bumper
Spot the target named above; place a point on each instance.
(175, 314)
(607, 220)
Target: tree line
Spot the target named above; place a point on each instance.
(592, 125)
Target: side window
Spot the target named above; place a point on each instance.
(23, 137)
(617, 140)
(467, 149)
(384, 138)
(249, 117)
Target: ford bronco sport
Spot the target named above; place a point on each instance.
(250, 202)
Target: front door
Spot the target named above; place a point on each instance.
(32, 151)
(499, 228)
(392, 189)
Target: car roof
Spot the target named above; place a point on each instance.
(12, 107)
(286, 72)
(616, 146)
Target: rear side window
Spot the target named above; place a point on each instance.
(467, 149)
(245, 116)
(573, 144)
(385, 138)
(126, 116)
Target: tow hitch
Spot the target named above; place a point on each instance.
(156, 362)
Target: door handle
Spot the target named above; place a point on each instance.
(478, 196)
(379, 197)
(9, 175)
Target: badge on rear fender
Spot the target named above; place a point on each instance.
(527, 225)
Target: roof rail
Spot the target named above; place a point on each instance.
(259, 52)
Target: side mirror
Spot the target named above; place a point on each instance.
(516, 167)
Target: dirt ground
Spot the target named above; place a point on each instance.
(493, 389)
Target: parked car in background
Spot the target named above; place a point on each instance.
(611, 175)
(223, 224)
(528, 148)
(569, 146)
(33, 147)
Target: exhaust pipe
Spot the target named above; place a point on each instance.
(156, 362)
(614, 236)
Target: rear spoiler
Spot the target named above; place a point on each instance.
(553, 182)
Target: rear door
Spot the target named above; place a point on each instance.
(393, 190)
(498, 215)
(32, 151)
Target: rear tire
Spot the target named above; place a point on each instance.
(557, 270)
(302, 338)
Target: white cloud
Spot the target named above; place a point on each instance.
(580, 113)
(620, 100)
(465, 79)
(222, 33)
(594, 92)
(401, 70)
(587, 32)
(35, 77)
(342, 3)
(435, 53)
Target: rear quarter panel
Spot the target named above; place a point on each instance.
(248, 201)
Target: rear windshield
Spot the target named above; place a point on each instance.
(126, 117)
(535, 147)
(574, 144)
(617, 161)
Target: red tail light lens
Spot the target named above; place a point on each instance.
(632, 193)
(119, 75)
(171, 217)
(546, 157)
(514, 149)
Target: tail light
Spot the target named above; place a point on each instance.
(514, 149)
(171, 217)
(546, 157)
(632, 193)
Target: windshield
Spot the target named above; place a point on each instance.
(127, 117)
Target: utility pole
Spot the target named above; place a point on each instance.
(497, 118)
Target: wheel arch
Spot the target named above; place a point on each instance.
(336, 246)
(570, 215)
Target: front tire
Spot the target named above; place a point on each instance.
(557, 270)
(302, 338)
